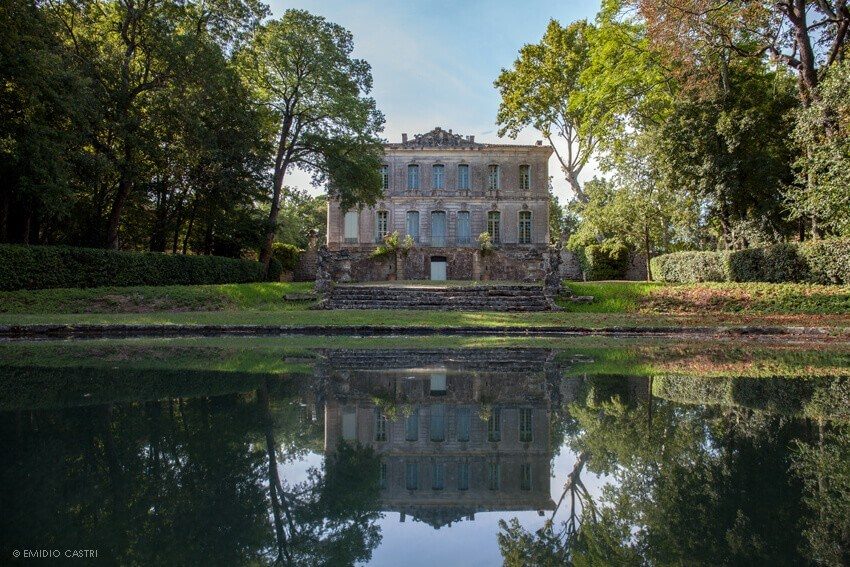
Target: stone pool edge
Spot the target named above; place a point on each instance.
(56, 331)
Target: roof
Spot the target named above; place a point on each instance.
(439, 138)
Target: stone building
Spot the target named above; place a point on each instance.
(444, 190)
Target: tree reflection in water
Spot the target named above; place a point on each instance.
(695, 470)
(699, 484)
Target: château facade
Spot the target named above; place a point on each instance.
(444, 190)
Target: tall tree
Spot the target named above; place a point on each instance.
(301, 68)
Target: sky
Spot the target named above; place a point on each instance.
(434, 61)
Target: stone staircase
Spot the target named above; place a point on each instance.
(508, 297)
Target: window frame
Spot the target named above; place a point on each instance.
(494, 226)
(526, 418)
(525, 177)
(524, 227)
(385, 177)
(494, 426)
(464, 238)
(379, 234)
(414, 179)
(443, 240)
(494, 177)
(441, 177)
(418, 225)
(464, 182)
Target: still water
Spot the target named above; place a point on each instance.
(425, 456)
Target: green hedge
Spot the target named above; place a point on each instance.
(42, 267)
(821, 261)
(828, 261)
(288, 255)
(690, 267)
(606, 261)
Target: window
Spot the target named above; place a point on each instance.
(381, 223)
(411, 426)
(525, 477)
(438, 422)
(437, 177)
(494, 426)
(494, 219)
(525, 177)
(492, 177)
(464, 231)
(413, 225)
(382, 476)
(463, 476)
(438, 476)
(438, 228)
(385, 177)
(494, 472)
(411, 475)
(463, 177)
(463, 424)
(525, 227)
(525, 425)
(413, 177)
(380, 425)
(350, 227)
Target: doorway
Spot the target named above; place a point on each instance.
(438, 268)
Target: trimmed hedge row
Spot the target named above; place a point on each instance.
(42, 267)
(820, 261)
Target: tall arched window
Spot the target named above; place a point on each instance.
(413, 225)
(385, 177)
(525, 227)
(381, 225)
(413, 176)
(525, 177)
(463, 177)
(437, 176)
(494, 220)
(493, 177)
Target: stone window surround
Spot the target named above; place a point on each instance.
(471, 174)
(385, 176)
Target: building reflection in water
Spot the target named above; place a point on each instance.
(457, 432)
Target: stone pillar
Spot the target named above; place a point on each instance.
(476, 265)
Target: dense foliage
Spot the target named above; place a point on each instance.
(817, 261)
(160, 126)
(43, 267)
(704, 142)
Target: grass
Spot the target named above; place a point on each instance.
(711, 298)
(153, 299)
(616, 304)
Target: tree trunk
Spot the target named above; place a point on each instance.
(647, 249)
(280, 166)
(125, 185)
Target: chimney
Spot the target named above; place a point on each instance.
(450, 130)
(404, 138)
(539, 142)
(472, 139)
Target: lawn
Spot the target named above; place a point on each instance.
(616, 304)
(711, 298)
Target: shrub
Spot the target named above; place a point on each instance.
(606, 261)
(817, 261)
(690, 267)
(287, 255)
(828, 261)
(275, 270)
(41, 267)
(776, 263)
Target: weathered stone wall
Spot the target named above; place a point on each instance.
(570, 268)
(636, 269)
(504, 264)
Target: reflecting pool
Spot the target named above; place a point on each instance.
(243, 451)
